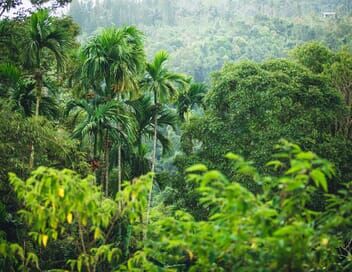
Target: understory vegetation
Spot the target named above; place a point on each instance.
(164, 135)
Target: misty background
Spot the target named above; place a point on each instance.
(202, 35)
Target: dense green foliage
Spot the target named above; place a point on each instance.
(202, 35)
(274, 230)
(109, 151)
(252, 106)
(270, 231)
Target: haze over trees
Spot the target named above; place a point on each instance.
(203, 35)
(163, 135)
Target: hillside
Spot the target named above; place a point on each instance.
(203, 35)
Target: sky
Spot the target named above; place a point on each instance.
(27, 4)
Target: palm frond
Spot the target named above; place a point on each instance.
(115, 57)
(160, 81)
(190, 97)
(45, 34)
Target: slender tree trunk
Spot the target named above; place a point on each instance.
(154, 143)
(31, 157)
(107, 164)
(37, 104)
(83, 244)
(119, 180)
(153, 164)
(39, 83)
(95, 160)
(119, 158)
(119, 168)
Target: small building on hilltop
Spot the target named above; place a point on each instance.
(329, 14)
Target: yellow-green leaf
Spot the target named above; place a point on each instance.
(45, 239)
(96, 233)
(197, 168)
(319, 179)
(306, 156)
(232, 156)
(276, 164)
(69, 218)
(61, 192)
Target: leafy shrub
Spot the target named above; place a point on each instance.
(274, 230)
(271, 231)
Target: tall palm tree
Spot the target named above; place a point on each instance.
(190, 97)
(145, 112)
(164, 85)
(44, 36)
(114, 59)
(102, 122)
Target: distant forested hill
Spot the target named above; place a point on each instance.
(202, 35)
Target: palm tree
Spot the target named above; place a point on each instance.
(145, 112)
(189, 98)
(19, 90)
(100, 123)
(164, 85)
(44, 36)
(114, 59)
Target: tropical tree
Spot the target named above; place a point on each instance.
(313, 55)
(19, 91)
(114, 59)
(101, 123)
(81, 213)
(44, 37)
(340, 75)
(189, 98)
(164, 85)
(253, 105)
(145, 112)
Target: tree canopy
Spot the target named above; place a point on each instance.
(163, 135)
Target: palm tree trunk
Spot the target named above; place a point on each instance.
(31, 157)
(119, 159)
(153, 167)
(39, 80)
(37, 103)
(119, 169)
(38, 77)
(107, 164)
(119, 180)
(154, 142)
